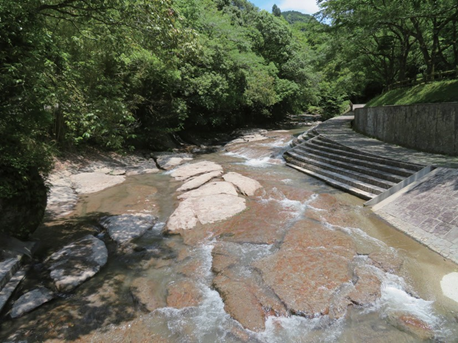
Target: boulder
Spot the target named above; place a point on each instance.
(126, 227)
(92, 182)
(169, 161)
(212, 188)
(198, 181)
(246, 185)
(207, 209)
(77, 262)
(30, 301)
(193, 169)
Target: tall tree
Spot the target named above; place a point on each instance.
(276, 11)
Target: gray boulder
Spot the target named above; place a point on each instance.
(77, 262)
(30, 301)
(126, 227)
(168, 161)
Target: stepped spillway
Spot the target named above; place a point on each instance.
(359, 173)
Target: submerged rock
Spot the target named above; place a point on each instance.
(126, 227)
(77, 262)
(184, 293)
(146, 292)
(246, 185)
(245, 296)
(309, 268)
(30, 301)
(410, 323)
(240, 302)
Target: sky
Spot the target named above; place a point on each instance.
(304, 6)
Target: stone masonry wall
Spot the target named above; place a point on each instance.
(426, 127)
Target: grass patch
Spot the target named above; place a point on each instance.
(443, 91)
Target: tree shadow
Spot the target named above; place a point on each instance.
(100, 301)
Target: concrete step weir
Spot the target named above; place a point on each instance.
(359, 173)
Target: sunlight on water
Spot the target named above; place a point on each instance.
(279, 143)
(300, 330)
(296, 208)
(395, 299)
(260, 162)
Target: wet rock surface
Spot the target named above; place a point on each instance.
(366, 287)
(77, 262)
(126, 227)
(309, 268)
(30, 301)
(147, 293)
(388, 261)
(184, 293)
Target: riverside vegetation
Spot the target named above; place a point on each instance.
(124, 74)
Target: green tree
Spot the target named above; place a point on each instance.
(276, 10)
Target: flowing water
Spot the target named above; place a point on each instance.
(104, 309)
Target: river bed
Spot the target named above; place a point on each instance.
(225, 307)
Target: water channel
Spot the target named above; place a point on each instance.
(103, 309)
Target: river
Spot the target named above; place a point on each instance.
(402, 275)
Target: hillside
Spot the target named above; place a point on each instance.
(442, 91)
(293, 17)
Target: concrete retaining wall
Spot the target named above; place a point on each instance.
(426, 127)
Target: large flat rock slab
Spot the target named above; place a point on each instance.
(126, 227)
(246, 185)
(193, 169)
(77, 262)
(198, 181)
(207, 209)
(309, 269)
(212, 188)
(85, 183)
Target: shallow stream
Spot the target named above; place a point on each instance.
(104, 309)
